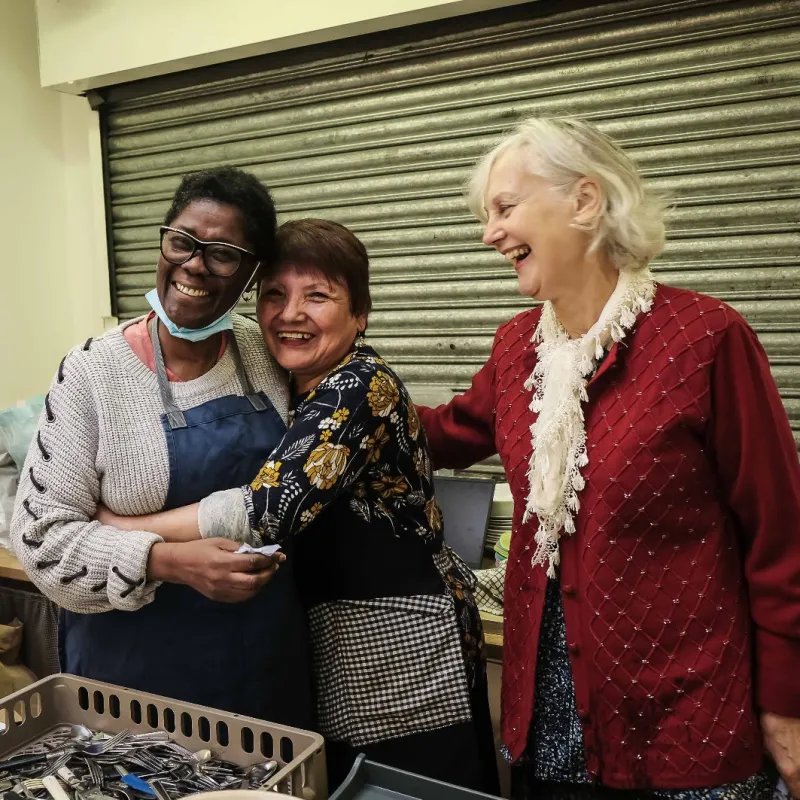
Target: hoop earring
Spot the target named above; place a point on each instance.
(247, 296)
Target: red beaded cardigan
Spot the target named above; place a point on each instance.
(681, 584)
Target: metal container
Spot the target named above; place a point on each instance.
(371, 781)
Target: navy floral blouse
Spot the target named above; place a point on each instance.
(354, 434)
(353, 477)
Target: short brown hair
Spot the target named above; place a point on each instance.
(332, 249)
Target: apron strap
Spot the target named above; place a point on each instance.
(174, 415)
(255, 399)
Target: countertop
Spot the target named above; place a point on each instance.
(493, 635)
(11, 568)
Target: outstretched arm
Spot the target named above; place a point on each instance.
(210, 566)
(175, 526)
(338, 430)
(461, 433)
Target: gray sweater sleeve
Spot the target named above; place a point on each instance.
(80, 564)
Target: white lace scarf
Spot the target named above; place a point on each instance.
(563, 368)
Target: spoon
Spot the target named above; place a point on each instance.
(81, 733)
(259, 774)
(201, 756)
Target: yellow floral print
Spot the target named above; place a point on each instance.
(383, 395)
(267, 475)
(325, 435)
(335, 421)
(380, 507)
(413, 423)
(419, 462)
(326, 463)
(456, 587)
(359, 490)
(310, 513)
(390, 485)
(375, 443)
(434, 515)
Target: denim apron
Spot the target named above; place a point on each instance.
(249, 658)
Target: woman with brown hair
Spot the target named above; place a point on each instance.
(396, 636)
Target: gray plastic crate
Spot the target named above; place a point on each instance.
(369, 780)
(31, 713)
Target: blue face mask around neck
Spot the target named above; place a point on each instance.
(224, 323)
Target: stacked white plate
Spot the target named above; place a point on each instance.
(502, 511)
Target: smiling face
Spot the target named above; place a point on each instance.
(529, 222)
(307, 322)
(191, 296)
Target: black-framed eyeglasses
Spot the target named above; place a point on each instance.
(221, 259)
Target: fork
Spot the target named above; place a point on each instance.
(54, 766)
(144, 759)
(97, 748)
(95, 772)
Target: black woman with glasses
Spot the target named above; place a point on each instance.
(158, 413)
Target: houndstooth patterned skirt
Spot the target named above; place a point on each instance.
(388, 667)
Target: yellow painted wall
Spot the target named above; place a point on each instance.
(53, 274)
(89, 43)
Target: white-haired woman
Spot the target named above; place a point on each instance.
(652, 605)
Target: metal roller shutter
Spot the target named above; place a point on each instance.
(704, 95)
